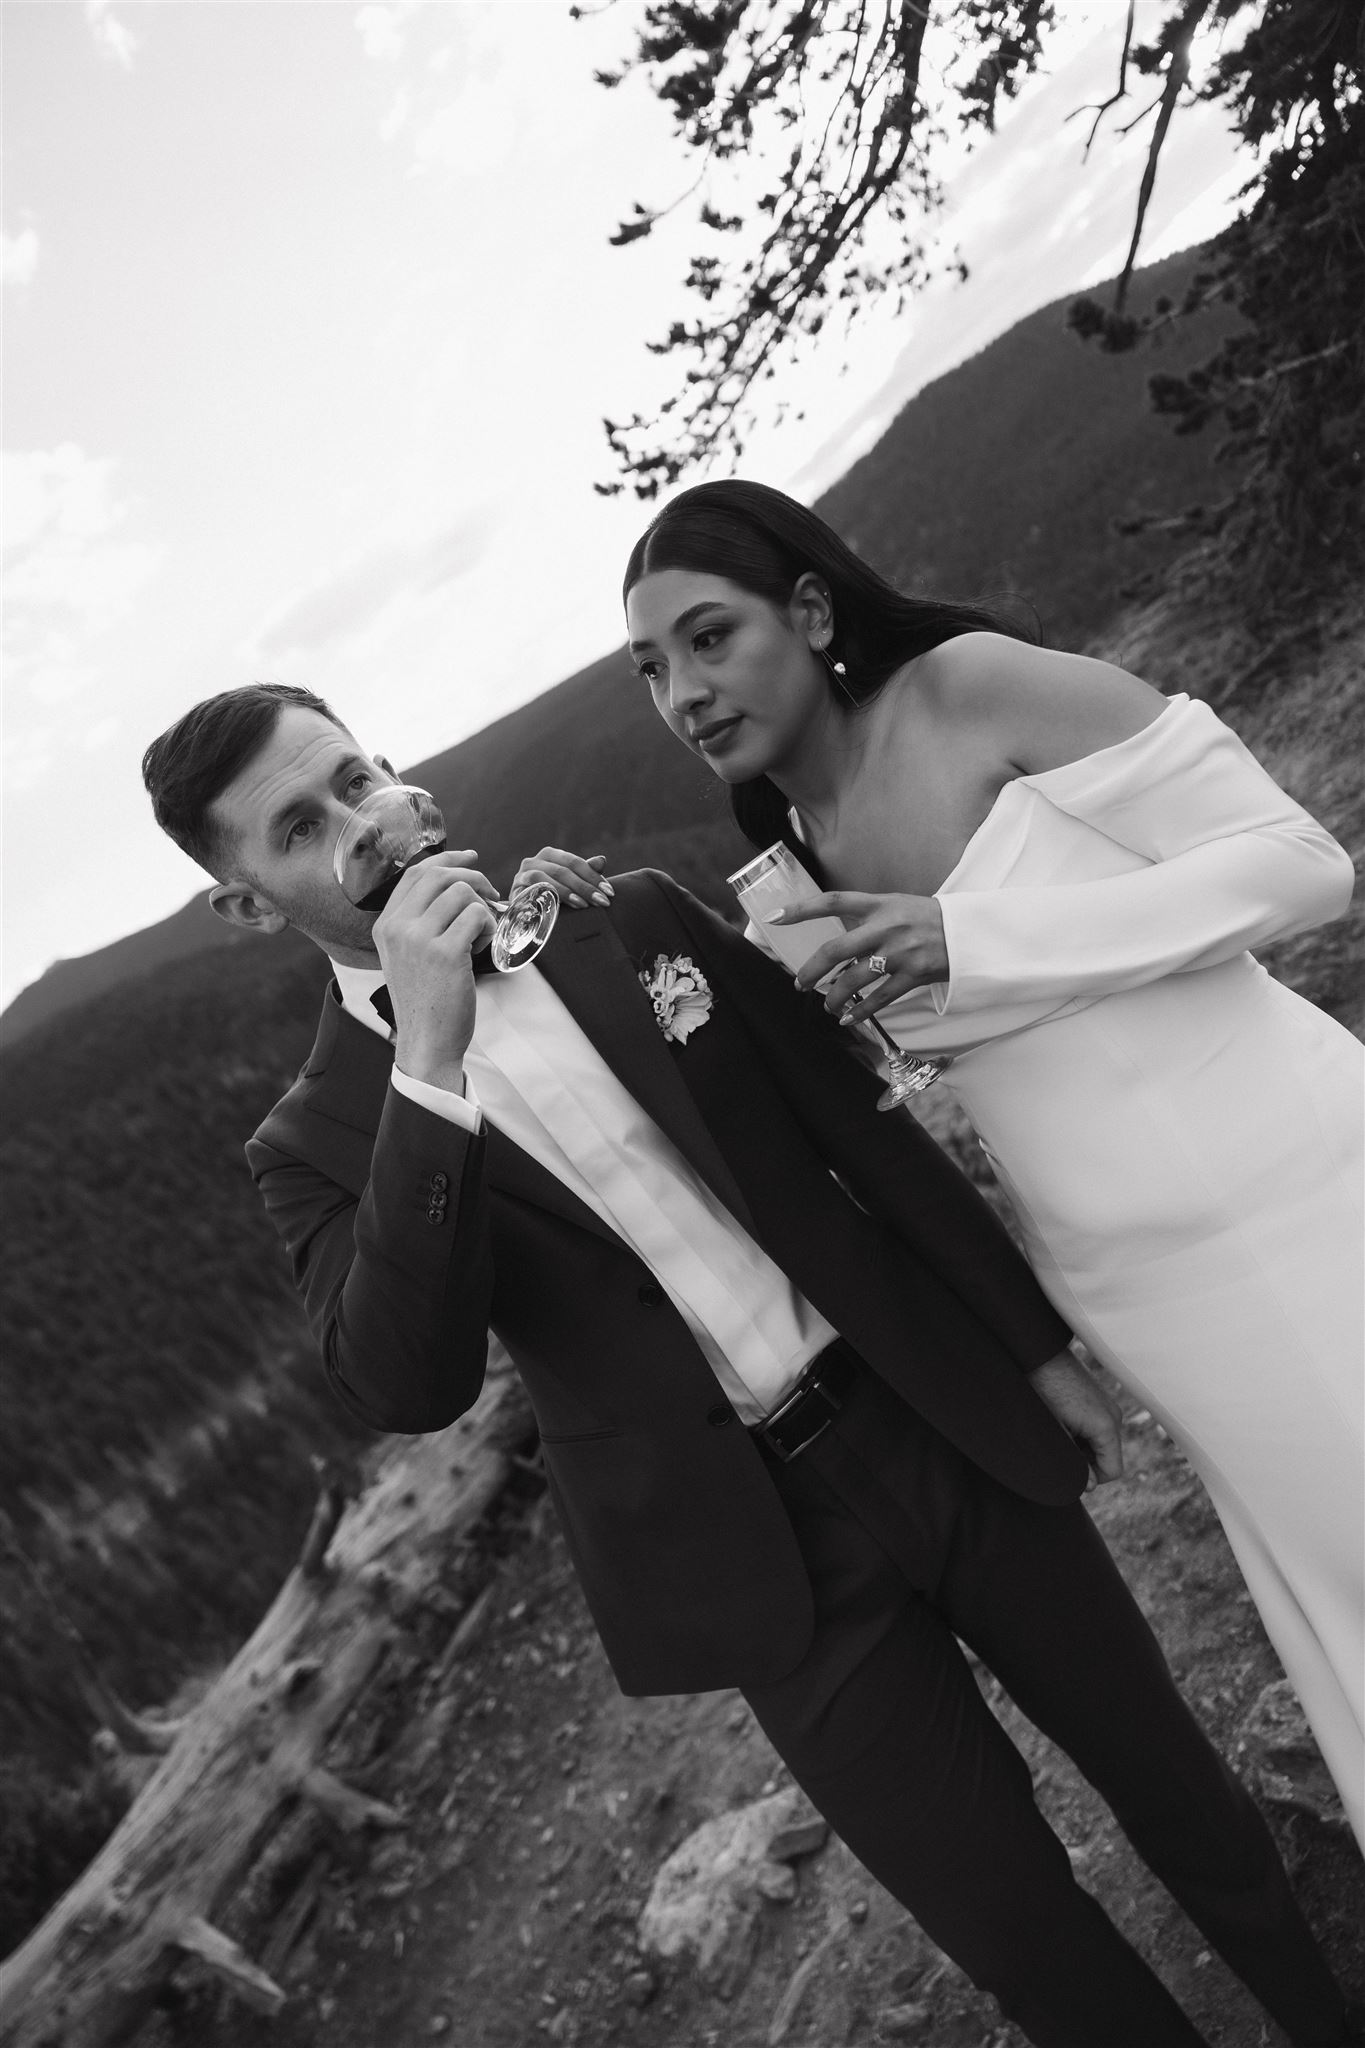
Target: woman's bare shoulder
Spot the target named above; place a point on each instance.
(1047, 707)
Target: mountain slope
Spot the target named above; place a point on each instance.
(1005, 474)
(1008, 474)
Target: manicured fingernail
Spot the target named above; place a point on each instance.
(578, 903)
(846, 1014)
(607, 886)
(602, 896)
(778, 917)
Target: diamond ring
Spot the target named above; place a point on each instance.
(877, 962)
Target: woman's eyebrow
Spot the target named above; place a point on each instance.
(683, 621)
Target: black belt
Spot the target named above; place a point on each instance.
(812, 1404)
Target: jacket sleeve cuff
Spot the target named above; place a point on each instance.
(456, 1109)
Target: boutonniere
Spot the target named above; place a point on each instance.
(680, 993)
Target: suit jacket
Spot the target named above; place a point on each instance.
(410, 1236)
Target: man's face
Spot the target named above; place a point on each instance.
(280, 818)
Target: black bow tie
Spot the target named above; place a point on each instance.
(482, 963)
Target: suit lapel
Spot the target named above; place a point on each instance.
(588, 966)
(347, 1076)
(516, 1174)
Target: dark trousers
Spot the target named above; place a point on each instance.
(883, 1725)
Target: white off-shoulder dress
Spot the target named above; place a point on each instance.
(1181, 1137)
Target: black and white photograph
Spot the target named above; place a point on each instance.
(683, 1145)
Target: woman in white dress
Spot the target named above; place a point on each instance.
(1051, 874)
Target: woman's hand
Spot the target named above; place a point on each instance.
(1086, 1413)
(904, 934)
(576, 881)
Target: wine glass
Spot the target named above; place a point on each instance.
(396, 826)
(774, 880)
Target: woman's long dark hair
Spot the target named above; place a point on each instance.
(764, 541)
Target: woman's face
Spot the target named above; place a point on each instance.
(735, 676)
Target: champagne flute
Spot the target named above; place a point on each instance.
(774, 880)
(396, 826)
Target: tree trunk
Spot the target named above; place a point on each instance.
(254, 1747)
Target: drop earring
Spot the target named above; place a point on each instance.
(839, 673)
(821, 646)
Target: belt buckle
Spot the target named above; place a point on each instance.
(797, 1395)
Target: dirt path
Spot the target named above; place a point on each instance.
(541, 1803)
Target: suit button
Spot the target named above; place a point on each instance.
(435, 1215)
(651, 1294)
(439, 1181)
(721, 1416)
(438, 1200)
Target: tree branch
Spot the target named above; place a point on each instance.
(1177, 73)
(1122, 90)
(1274, 371)
(222, 1956)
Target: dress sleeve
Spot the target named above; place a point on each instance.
(1232, 863)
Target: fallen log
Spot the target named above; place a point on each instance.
(253, 1748)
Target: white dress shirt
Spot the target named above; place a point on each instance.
(539, 1079)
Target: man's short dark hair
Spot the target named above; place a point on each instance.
(196, 758)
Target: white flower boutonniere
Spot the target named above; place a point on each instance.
(680, 993)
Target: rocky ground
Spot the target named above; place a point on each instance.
(540, 1806)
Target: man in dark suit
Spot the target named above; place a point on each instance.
(798, 1395)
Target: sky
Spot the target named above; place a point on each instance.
(310, 321)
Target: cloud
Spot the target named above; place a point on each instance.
(354, 597)
(473, 136)
(97, 735)
(112, 36)
(28, 756)
(382, 27)
(395, 120)
(71, 570)
(18, 256)
(460, 103)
